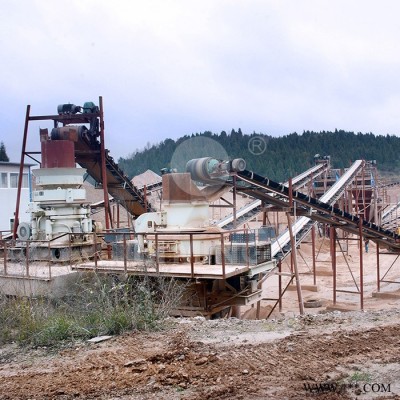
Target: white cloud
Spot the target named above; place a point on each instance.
(169, 68)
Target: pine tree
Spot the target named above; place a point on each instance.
(3, 153)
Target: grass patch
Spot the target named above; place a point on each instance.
(98, 305)
(360, 377)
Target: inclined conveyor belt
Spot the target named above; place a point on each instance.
(391, 213)
(320, 209)
(88, 156)
(250, 210)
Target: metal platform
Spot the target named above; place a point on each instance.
(203, 271)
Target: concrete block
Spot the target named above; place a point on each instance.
(386, 295)
(310, 288)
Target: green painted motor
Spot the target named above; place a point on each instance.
(90, 107)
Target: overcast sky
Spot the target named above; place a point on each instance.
(170, 68)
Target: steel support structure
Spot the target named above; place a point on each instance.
(103, 167)
(332, 241)
(234, 202)
(360, 234)
(64, 119)
(21, 171)
(378, 267)
(383, 280)
(314, 265)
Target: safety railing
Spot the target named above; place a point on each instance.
(189, 253)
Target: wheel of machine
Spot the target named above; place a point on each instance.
(24, 231)
(312, 303)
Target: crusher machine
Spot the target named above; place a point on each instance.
(60, 226)
(221, 268)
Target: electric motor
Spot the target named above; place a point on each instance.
(208, 169)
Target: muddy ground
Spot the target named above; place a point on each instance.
(332, 355)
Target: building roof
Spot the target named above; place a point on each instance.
(15, 164)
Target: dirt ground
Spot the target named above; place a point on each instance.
(322, 354)
(330, 356)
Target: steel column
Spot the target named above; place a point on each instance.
(103, 166)
(280, 284)
(332, 238)
(191, 255)
(360, 233)
(95, 250)
(378, 272)
(234, 202)
(313, 254)
(223, 256)
(264, 213)
(21, 171)
(296, 271)
(125, 255)
(5, 257)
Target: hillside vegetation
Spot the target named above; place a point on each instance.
(283, 156)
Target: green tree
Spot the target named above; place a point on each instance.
(284, 156)
(3, 153)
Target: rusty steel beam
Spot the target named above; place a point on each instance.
(332, 238)
(103, 166)
(360, 224)
(21, 171)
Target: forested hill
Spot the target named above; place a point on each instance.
(281, 157)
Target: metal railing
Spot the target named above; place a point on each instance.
(201, 252)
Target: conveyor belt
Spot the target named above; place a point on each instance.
(320, 209)
(303, 225)
(391, 217)
(88, 156)
(250, 210)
